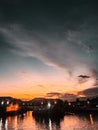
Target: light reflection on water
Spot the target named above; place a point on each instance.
(68, 122)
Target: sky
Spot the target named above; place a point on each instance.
(48, 48)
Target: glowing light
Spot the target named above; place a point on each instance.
(7, 102)
(49, 105)
(50, 125)
(2, 102)
(88, 102)
(55, 102)
(42, 103)
(91, 119)
(69, 104)
(12, 107)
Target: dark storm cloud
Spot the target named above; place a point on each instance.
(91, 92)
(59, 33)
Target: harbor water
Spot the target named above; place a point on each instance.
(69, 122)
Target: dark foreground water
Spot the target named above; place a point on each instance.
(68, 122)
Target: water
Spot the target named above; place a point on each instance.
(68, 122)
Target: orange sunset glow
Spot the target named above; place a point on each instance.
(47, 52)
(28, 85)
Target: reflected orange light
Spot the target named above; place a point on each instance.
(12, 107)
(91, 119)
(9, 119)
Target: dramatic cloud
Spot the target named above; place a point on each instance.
(83, 78)
(50, 50)
(63, 96)
(91, 92)
(58, 40)
(59, 35)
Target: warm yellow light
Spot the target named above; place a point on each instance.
(42, 103)
(88, 102)
(69, 103)
(55, 102)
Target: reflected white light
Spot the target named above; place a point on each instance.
(6, 125)
(3, 125)
(50, 124)
(0, 124)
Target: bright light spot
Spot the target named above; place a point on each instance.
(2, 102)
(50, 125)
(55, 102)
(7, 102)
(12, 107)
(88, 102)
(49, 104)
(69, 104)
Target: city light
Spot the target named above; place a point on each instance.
(49, 105)
(2, 102)
(69, 104)
(42, 103)
(7, 102)
(12, 107)
(55, 102)
(88, 102)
